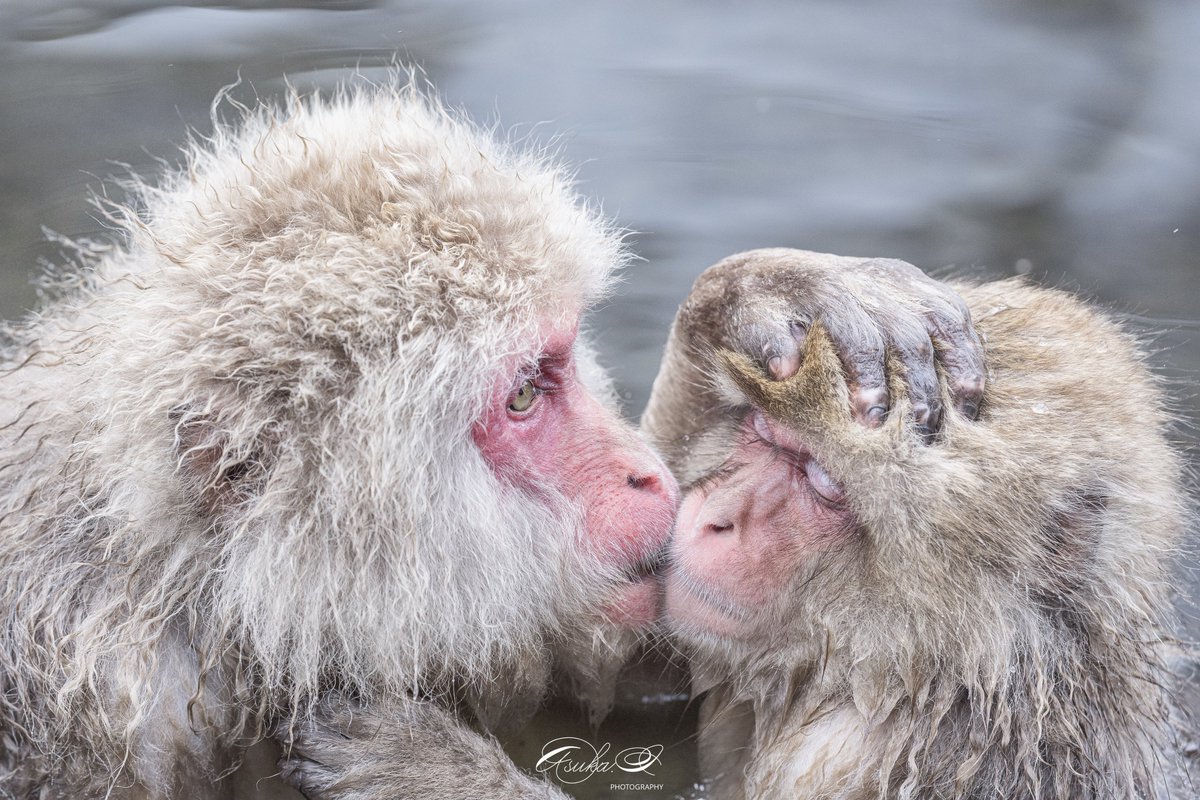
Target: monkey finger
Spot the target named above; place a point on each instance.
(777, 346)
(915, 351)
(861, 348)
(317, 739)
(960, 352)
(309, 777)
(923, 389)
(947, 321)
(784, 359)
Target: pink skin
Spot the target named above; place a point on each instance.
(569, 443)
(742, 536)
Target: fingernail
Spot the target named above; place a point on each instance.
(875, 416)
(970, 410)
(783, 367)
(921, 414)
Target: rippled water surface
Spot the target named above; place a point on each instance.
(1058, 138)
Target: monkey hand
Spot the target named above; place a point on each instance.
(763, 302)
(403, 749)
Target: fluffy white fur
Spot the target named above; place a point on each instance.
(236, 447)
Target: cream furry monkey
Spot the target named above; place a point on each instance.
(320, 422)
(984, 617)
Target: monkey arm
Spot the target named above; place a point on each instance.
(1074, 439)
(403, 749)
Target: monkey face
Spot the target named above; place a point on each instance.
(544, 432)
(746, 529)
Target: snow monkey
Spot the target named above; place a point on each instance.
(321, 424)
(868, 309)
(983, 616)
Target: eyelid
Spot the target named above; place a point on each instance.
(527, 372)
(546, 373)
(549, 374)
(533, 400)
(791, 457)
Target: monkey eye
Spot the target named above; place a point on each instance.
(524, 398)
(823, 484)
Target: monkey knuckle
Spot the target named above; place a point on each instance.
(970, 385)
(962, 311)
(945, 323)
(910, 341)
(924, 395)
(798, 326)
(909, 272)
(307, 776)
(867, 368)
(860, 340)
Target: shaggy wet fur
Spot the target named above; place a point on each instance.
(235, 457)
(999, 628)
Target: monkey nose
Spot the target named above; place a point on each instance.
(648, 482)
(657, 482)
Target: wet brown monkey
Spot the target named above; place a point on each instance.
(874, 616)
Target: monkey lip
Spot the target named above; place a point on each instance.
(637, 599)
(647, 567)
(690, 604)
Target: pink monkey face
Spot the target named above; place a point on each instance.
(548, 432)
(747, 530)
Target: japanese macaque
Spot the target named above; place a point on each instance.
(319, 432)
(986, 615)
(321, 421)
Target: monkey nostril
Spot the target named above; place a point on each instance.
(660, 488)
(649, 482)
(718, 527)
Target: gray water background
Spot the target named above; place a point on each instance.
(1055, 138)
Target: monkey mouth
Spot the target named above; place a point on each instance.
(637, 597)
(650, 566)
(697, 590)
(691, 609)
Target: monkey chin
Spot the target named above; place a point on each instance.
(637, 604)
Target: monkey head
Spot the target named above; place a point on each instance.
(762, 516)
(880, 567)
(352, 327)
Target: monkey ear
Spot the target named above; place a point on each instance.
(216, 476)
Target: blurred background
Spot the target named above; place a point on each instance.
(1055, 138)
